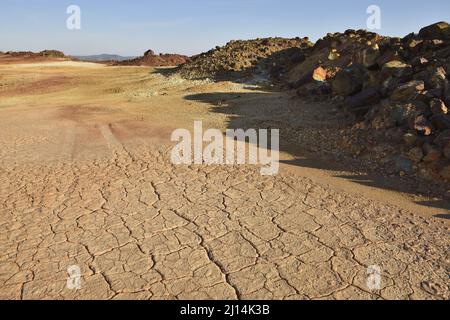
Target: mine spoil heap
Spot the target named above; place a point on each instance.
(153, 60)
(51, 54)
(242, 58)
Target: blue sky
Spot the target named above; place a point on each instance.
(193, 26)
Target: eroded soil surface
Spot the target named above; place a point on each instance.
(86, 180)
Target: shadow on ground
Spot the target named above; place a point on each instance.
(313, 126)
(165, 71)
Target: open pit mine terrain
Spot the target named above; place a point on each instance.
(87, 180)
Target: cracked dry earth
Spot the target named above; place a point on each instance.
(89, 182)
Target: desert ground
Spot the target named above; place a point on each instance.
(86, 180)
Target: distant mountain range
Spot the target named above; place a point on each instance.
(103, 57)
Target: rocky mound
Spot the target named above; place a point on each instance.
(152, 60)
(396, 89)
(52, 54)
(241, 58)
(28, 56)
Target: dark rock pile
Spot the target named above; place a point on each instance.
(19, 57)
(54, 54)
(239, 59)
(397, 89)
(153, 60)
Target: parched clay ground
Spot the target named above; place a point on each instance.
(86, 180)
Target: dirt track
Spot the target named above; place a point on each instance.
(87, 181)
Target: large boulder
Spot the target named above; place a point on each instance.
(440, 30)
(370, 55)
(349, 81)
(149, 53)
(388, 55)
(360, 103)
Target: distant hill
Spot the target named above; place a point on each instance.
(103, 57)
(14, 57)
